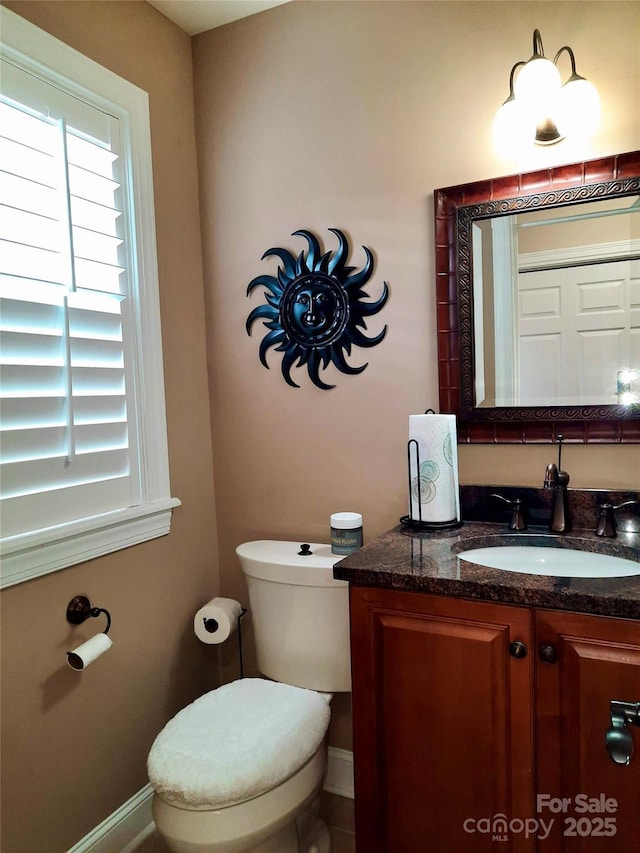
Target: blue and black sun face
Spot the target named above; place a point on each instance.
(314, 310)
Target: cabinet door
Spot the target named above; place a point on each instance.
(597, 660)
(443, 742)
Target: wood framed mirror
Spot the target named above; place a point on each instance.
(537, 337)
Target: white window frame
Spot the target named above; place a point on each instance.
(29, 555)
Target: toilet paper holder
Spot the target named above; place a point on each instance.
(79, 610)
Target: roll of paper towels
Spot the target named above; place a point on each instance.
(434, 495)
(217, 620)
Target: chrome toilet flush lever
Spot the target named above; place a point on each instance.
(618, 740)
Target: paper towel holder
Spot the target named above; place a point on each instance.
(79, 610)
(417, 524)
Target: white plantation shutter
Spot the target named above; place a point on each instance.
(74, 386)
(65, 430)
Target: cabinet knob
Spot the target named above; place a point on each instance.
(518, 649)
(548, 654)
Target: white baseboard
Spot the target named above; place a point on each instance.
(126, 829)
(339, 772)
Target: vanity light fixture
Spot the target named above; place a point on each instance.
(539, 108)
(628, 387)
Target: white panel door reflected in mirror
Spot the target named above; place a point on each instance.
(556, 309)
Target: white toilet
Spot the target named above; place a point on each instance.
(242, 767)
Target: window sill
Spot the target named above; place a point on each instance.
(35, 554)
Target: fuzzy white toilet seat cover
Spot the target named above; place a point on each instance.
(237, 742)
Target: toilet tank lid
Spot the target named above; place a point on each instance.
(281, 562)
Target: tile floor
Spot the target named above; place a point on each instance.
(336, 811)
(338, 814)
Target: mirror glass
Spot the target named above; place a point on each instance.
(538, 304)
(556, 306)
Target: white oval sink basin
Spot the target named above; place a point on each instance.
(559, 562)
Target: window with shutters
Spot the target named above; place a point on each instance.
(83, 456)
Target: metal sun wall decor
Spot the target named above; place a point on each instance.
(314, 308)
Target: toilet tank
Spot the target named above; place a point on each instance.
(300, 614)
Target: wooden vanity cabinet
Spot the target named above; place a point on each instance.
(443, 721)
(459, 721)
(597, 659)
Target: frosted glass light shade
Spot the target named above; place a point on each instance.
(513, 127)
(578, 111)
(537, 85)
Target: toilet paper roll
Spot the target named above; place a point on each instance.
(217, 620)
(434, 494)
(85, 654)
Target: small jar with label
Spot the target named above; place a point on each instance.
(346, 533)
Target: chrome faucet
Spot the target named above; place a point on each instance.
(558, 480)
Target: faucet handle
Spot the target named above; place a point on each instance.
(517, 521)
(627, 503)
(607, 522)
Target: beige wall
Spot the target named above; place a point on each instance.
(349, 115)
(311, 115)
(75, 744)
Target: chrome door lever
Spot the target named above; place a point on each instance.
(618, 740)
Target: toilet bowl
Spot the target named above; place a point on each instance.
(242, 767)
(282, 820)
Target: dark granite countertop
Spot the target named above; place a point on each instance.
(428, 562)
